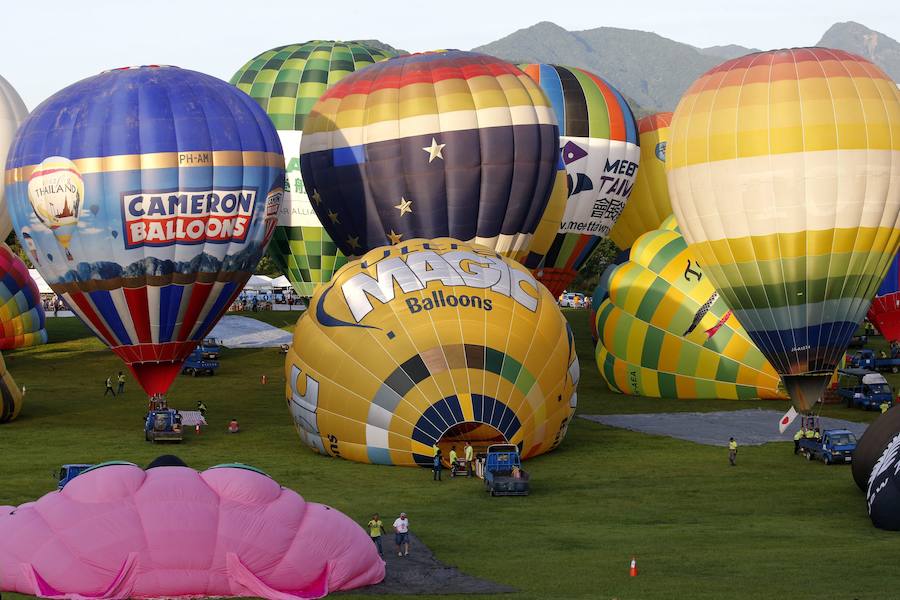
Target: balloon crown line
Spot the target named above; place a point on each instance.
(135, 67)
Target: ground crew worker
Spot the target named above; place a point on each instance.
(376, 530)
(797, 437)
(732, 451)
(817, 435)
(434, 450)
(109, 387)
(121, 380)
(470, 455)
(453, 459)
(885, 406)
(810, 434)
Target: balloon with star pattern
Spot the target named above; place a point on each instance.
(447, 143)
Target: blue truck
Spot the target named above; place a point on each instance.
(209, 349)
(834, 446)
(866, 359)
(862, 388)
(503, 473)
(69, 472)
(196, 364)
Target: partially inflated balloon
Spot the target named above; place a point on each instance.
(446, 143)
(884, 312)
(21, 313)
(10, 396)
(598, 137)
(648, 205)
(431, 342)
(12, 112)
(664, 331)
(784, 174)
(148, 196)
(287, 81)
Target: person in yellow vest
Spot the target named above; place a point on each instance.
(885, 406)
(121, 381)
(732, 451)
(434, 450)
(817, 435)
(376, 530)
(453, 459)
(797, 437)
(810, 433)
(470, 457)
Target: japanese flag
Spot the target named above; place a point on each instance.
(787, 419)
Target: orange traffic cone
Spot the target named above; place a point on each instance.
(633, 571)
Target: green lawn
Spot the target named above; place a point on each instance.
(774, 527)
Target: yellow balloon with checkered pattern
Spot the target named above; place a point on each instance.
(10, 396)
(431, 342)
(663, 331)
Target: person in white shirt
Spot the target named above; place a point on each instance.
(401, 534)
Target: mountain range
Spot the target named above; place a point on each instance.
(653, 71)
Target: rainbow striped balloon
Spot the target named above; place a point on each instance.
(440, 144)
(784, 175)
(21, 314)
(598, 137)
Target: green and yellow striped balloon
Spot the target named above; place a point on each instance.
(664, 331)
(287, 81)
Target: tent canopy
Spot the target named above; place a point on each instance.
(259, 283)
(281, 282)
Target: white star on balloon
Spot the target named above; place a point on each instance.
(404, 207)
(434, 150)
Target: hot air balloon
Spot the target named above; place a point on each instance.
(665, 332)
(648, 206)
(883, 490)
(884, 312)
(113, 532)
(149, 195)
(287, 81)
(12, 112)
(10, 396)
(783, 173)
(431, 342)
(21, 313)
(598, 137)
(872, 443)
(445, 143)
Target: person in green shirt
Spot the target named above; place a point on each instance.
(453, 459)
(732, 451)
(470, 456)
(376, 530)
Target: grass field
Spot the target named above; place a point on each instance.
(774, 527)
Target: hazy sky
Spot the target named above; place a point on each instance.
(48, 44)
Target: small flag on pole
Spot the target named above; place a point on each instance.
(787, 419)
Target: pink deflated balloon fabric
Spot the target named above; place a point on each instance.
(122, 532)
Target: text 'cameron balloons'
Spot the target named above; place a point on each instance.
(784, 174)
(286, 81)
(148, 195)
(21, 313)
(10, 396)
(110, 533)
(12, 112)
(447, 143)
(431, 342)
(884, 312)
(648, 206)
(598, 139)
(664, 332)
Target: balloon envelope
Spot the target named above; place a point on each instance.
(883, 491)
(884, 312)
(447, 143)
(871, 445)
(118, 531)
(664, 332)
(598, 139)
(12, 112)
(431, 341)
(10, 395)
(21, 312)
(148, 196)
(286, 82)
(784, 174)
(649, 205)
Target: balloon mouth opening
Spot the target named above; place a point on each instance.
(807, 389)
(479, 435)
